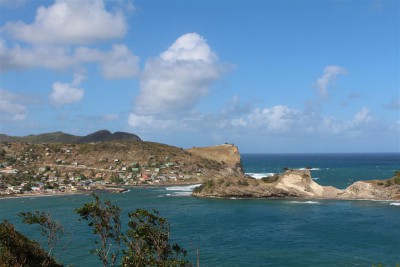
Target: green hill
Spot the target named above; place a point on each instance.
(60, 137)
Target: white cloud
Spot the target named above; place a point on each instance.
(10, 107)
(19, 58)
(67, 93)
(120, 63)
(150, 123)
(328, 78)
(179, 77)
(362, 117)
(277, 118)
(117, 63)
(70, 22)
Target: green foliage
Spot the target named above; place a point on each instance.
(52, 229)
(17, 250)
(148, 242)
(116, 180)
(205, 186)
(270, 179)
(104, 218)
(396, 178)
(244, 183)
(2, 153)
(26, 187)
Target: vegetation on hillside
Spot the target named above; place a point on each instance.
(60, 137)
(17, 250)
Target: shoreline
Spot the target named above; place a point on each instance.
(110, 189)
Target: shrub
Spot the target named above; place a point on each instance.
(396, 178)
(17, 250)
(244, 183)
(270, 179)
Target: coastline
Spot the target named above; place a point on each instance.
(111, 189)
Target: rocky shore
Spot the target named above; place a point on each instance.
(296, 184)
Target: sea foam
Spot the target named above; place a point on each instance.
(186, 188)
(312, 169)
(395, 204)
(259, 175)
(304, 202)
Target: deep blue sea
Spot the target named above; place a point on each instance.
(253, 232)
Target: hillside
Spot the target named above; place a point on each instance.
(113, 162)
(60, 137)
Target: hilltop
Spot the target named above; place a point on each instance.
(60, 137)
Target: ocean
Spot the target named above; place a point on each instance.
(252, 232)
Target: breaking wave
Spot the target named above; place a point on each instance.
(304, 202)
(395, 204)
(259, 175)
(186, 188)
(312, 169)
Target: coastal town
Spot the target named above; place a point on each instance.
(61, 168)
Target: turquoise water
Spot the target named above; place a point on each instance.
(243, 232)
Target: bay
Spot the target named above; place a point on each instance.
(251, 232)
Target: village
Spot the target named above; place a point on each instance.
(37, 171)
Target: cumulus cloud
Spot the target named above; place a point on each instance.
(277, 118)
(179, 77)
(67, 93)
(19, 58)
(70, 22)
(10, 107)
(328, 78)
(117, 63)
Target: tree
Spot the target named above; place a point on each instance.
(17, 250)
(106, 223)
(148, 243)
(52, 229)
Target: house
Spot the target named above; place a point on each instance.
(144, 177)
(100, 175)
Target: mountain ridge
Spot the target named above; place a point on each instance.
(61, 137)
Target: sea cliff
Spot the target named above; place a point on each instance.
(296, 184)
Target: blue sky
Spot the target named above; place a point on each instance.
(268, 76)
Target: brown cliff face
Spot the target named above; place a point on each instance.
(226, 154)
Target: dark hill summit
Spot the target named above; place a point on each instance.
(60, 137)
(105, 135)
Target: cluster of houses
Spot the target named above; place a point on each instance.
(50, 180)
